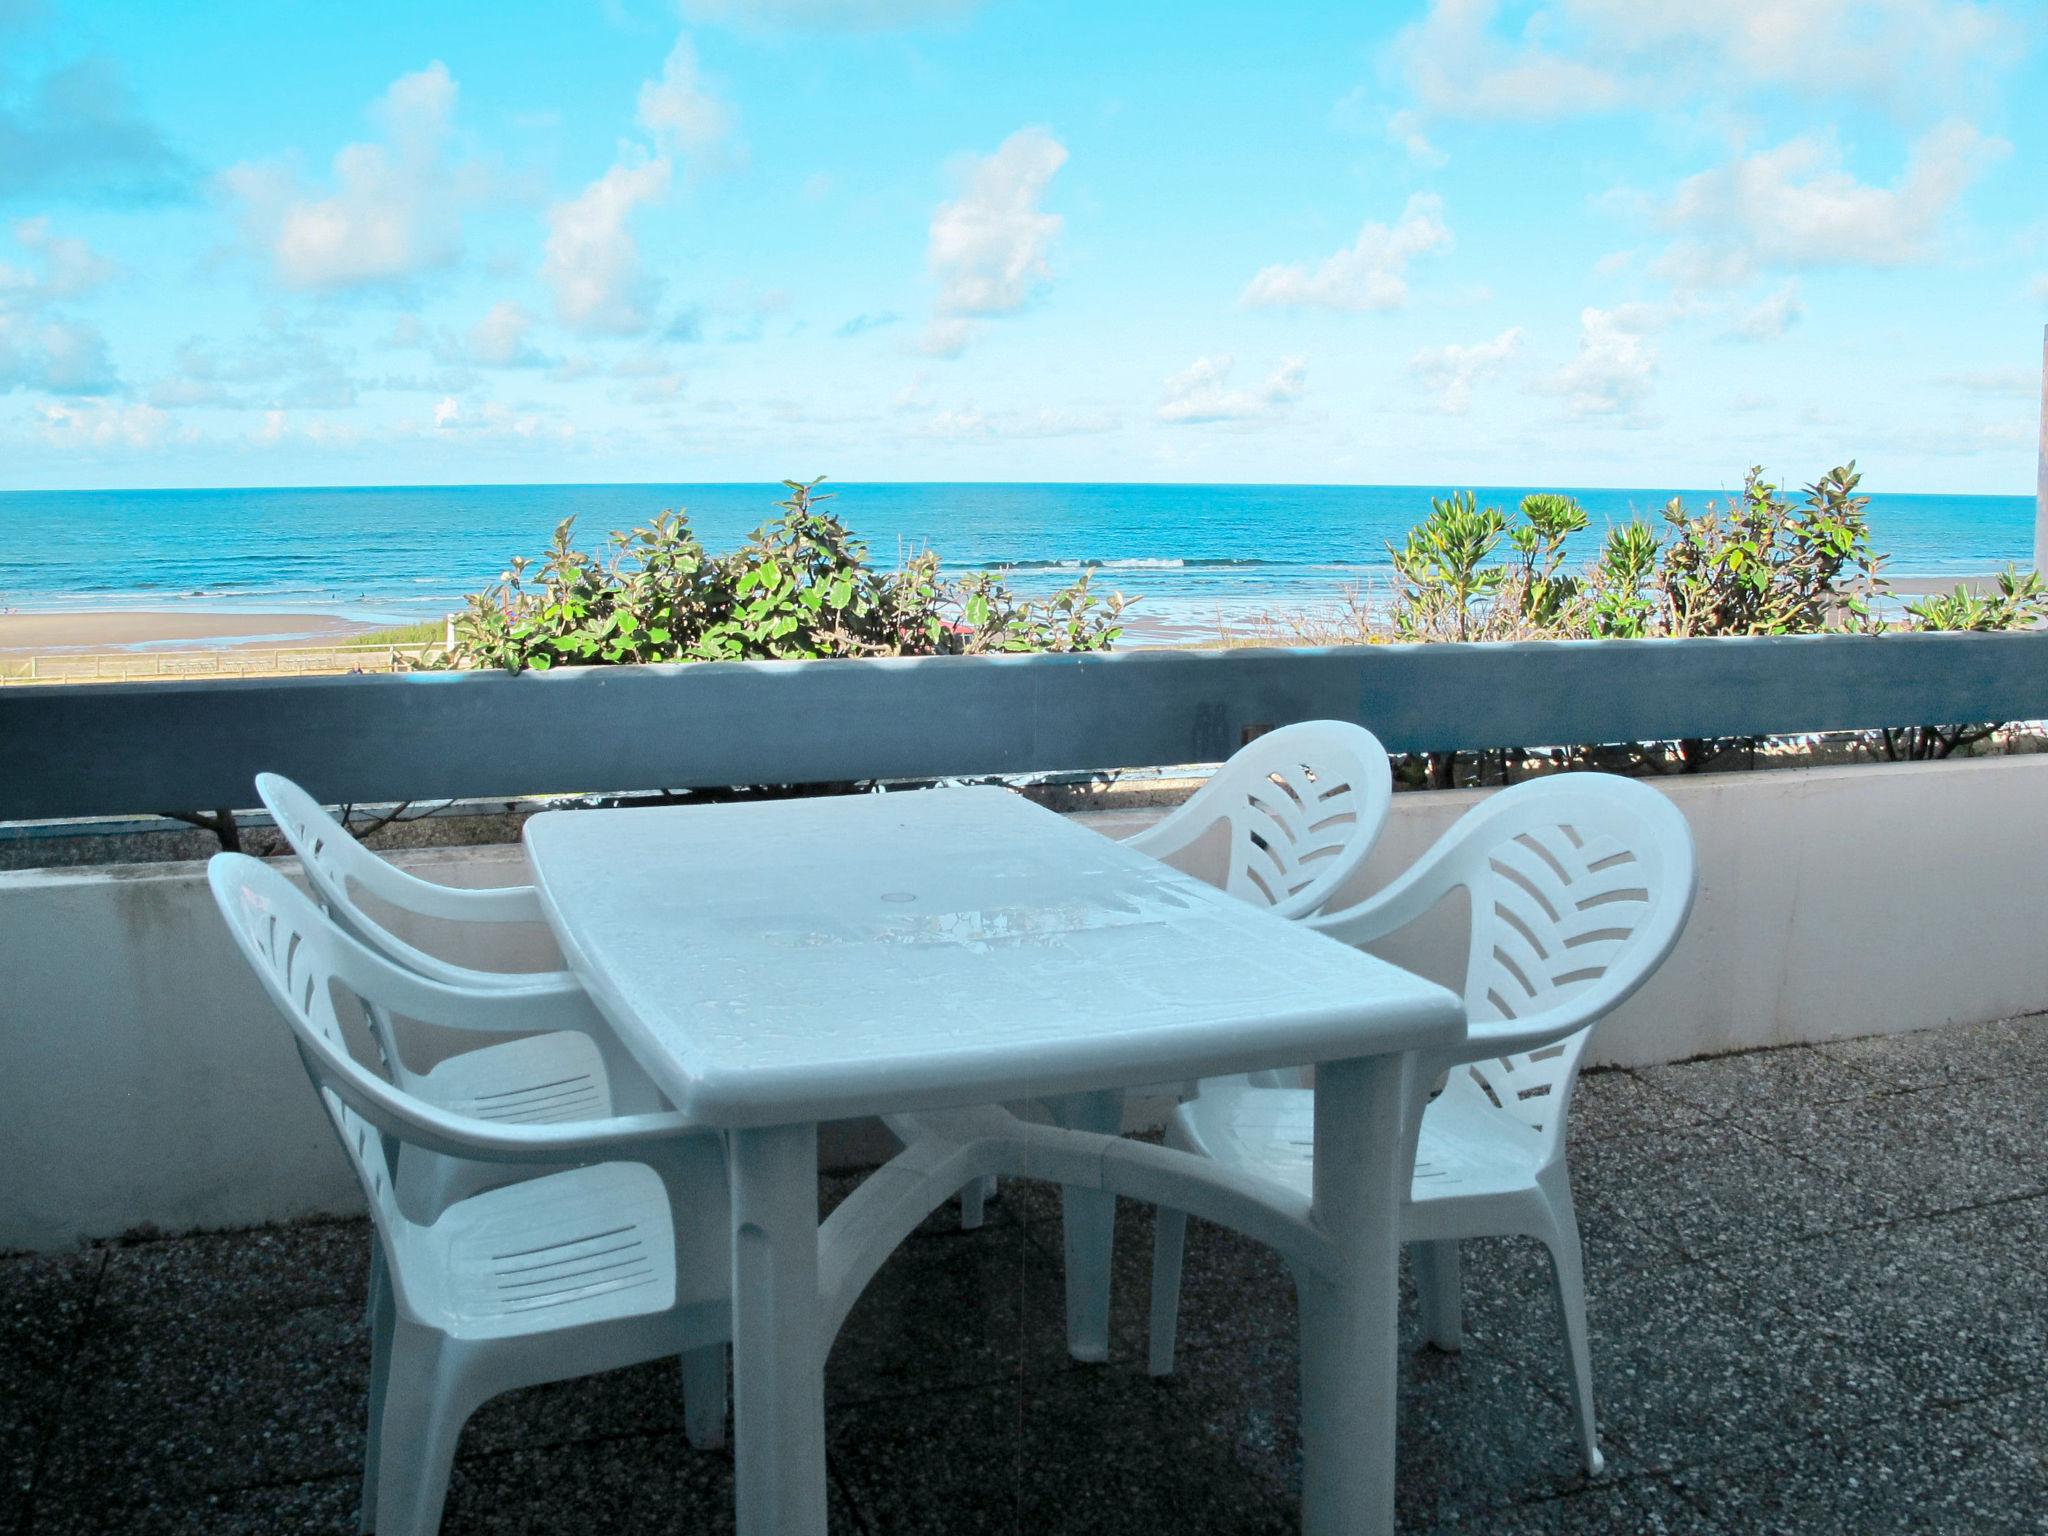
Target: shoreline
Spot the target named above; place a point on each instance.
(85, 630)
(75, 631)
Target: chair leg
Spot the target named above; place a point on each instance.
(1438, 1286)
(1567, 1267)
(704, 1396)
(1169, 1243)
(383, 1317)
(974, 1198)
(423, 1418)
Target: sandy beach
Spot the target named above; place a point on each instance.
(49, 633)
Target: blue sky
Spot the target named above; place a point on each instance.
(1601, 242)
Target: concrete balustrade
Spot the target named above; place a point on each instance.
(145, 1082)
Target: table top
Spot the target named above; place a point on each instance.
(774, 963)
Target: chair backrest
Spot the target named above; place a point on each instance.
(290, 944)
(1304, 806)
(1579, 884)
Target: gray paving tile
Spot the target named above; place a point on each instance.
(1734, 1085)
(639, 1400)
(1230, 1287)
(327, 1506)
(1640, 1507)
(1927, 1474)
(167, 1408)
(1716, 1188)
(1107, 1452)
(1929, 1058)
(1931, 1301)
(1612, 1102)
(1476, 1433)
(1689, 1366)
(309, 1264)
(942, 1312)
(942, 1462)
(44, 1303)
(642, 1483)
(1933, 1149)
(2021, 1420)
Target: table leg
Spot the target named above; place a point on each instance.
(1088, 1217)
(1349, 1350)
(778, 1388)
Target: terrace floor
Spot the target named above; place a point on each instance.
(1819, 1289)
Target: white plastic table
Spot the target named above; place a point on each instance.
(775, 965)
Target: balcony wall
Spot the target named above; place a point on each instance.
(144, 1080)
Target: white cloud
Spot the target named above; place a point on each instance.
(989, 248)
(1574, 58)
(592, 261)
(100, 424)
(396, 207)
(1368, 274)
(1616, 364)
(971, 424)
(2041, 287)
(2020, 383)
(1200, 394)
(41, 349)
(71, 268)
(1449, 372)
(1769, 318)
(499, 340)
(1793, 205)
(827, 15)
(680, 113)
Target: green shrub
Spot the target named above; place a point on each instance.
(802, 586)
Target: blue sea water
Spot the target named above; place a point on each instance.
(1193, 552)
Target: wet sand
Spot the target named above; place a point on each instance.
(118, 630)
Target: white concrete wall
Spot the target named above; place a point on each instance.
(144, 1080)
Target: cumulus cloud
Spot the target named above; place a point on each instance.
(282, 364)
(1616, 365)
(71, 268)
(827, 15)
(1793, 205)
(40, 348)
(970, 424)
(74, 134)
(990, 247)
(680, 113)
(862, 323)
(1368, 274)
(1770, 317)
(1449, 372)
(1575, 58)
(396, 207)
(592, 260)
(1201, 393)
(104, 424)
(501, 338)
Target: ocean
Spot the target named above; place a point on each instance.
(1194, 553)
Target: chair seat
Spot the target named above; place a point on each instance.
(538, 1080)
(1468, 1149)
(586, 1246)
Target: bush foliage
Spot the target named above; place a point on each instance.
(802, 586)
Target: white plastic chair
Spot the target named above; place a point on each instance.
(1283, 824)
(1304, 806)
(1579, 885)
(585, 1269)
(575, 1068)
